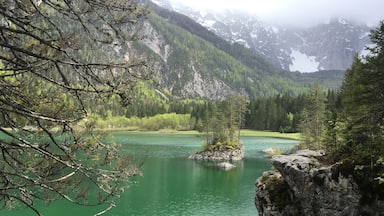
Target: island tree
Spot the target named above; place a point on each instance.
(56, 58)
(222, 122)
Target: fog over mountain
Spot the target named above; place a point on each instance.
(296, 13)
(330, 44)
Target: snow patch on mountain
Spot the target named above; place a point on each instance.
(302, 62)
(208, 23)
(157, 2)
(275, 29)
(366, 34)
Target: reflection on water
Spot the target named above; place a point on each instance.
(173, 185)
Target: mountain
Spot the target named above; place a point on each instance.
(191, 61)
(328, 46)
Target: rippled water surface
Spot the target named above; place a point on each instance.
(173, 185)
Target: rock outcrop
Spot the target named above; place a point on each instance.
(303, 185)
(225, 166)
(234, 154)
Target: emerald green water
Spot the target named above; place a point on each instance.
(174, 185)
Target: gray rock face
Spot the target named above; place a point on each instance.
(303, 187)
(223, 155)
(190, 83)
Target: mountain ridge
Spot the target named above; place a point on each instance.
(326, 46)
(191, 61)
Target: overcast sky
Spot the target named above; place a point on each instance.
(300, 12)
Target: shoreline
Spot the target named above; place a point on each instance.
(245, 132)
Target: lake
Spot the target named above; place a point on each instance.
(174, 185)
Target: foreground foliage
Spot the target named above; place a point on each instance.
(55, 56)
(358, 130)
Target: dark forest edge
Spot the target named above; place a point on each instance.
(152, 111)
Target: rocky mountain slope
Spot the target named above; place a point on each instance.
(191, 61)
(328, 46)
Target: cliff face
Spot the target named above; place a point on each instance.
(302, 185)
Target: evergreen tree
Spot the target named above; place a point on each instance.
(313, 118)
(331, 137)
(362, 102)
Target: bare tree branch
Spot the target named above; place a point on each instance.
(56, 57)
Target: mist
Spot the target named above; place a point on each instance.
(300, 13)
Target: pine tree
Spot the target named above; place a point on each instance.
(355, 113)
(362, 101)
(313, 118)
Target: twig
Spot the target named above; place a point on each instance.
(106, 210)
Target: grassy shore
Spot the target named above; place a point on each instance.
(294, 136)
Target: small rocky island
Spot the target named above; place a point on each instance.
(223, 153)
(220, 153)
(305, 185)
